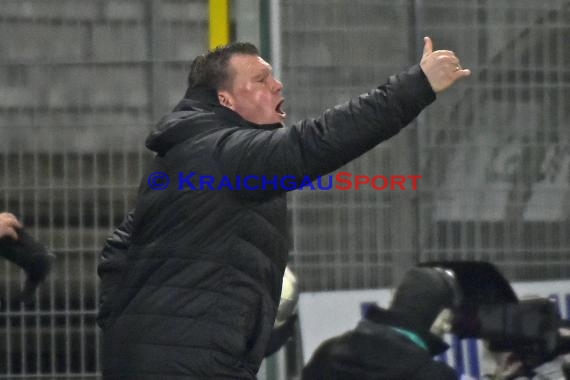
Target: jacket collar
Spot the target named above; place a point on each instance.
(173, 129)
(393, 318)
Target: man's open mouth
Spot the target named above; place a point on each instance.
(279, 109)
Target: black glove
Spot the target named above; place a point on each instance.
(32, 257)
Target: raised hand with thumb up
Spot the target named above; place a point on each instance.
(441, 67)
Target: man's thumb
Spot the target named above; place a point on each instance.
(428, 46)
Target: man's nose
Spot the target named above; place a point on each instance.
(277, 85)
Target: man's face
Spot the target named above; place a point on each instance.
(253, 93)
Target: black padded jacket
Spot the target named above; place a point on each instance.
(373, 351)
(191, 281)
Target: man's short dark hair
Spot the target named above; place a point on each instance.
(211, 69)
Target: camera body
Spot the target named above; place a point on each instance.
(529, 328)
(490, 310)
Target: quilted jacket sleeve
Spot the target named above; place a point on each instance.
(318, 146)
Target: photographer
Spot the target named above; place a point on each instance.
(524, 339)
(394, 343)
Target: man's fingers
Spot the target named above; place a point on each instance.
(444, 56)
(428, 46)
(17, 224)
(9, 225)
(11, 233)
(441, 67)
(460, 73)
(8, 219)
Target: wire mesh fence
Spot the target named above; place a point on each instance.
(492, 151)
(82, 82)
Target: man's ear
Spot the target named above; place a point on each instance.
(225, 99)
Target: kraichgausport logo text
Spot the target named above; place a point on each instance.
(339, 181)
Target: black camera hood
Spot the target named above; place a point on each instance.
(480, 282)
